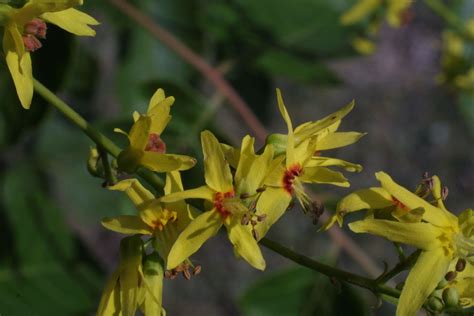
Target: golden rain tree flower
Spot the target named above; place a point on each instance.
(23, 27)
(146, 147)
(162, 221)
(136, 284)
(232, 200)
(364, 8)
(442, 237)
(300, 162)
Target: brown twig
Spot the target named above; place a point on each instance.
(209, 72)
(221, 84)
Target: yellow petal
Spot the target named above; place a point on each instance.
(135, 191)
(110, 299)
(395, 10)
(20, 67)
(371, 198)
(290, 157)
(304, 151)
(421, 235)
(324, 175)
(273, 203)
(127, 224)
(252, 169)
(244, 244)
(156, 98)
(203, 192)
(216, 169)
(193, 237)
(432, 214)
(339, 139)
(232, 154)
(139, 133)
(428, 270)
(359, 11)
(73, 21)
(319, 161)
(310, 129)
(166, 162)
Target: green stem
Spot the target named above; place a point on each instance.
(401, 266)
(352, 278)
(109, 175)
(449, 17)
(74, 117)
(97, 137)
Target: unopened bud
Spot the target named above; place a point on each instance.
(442, 283)
(435, 304)
(460, 265)
(451, 297)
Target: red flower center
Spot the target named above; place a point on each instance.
(289, 177)
(219, 198)
(399, 204)
(156, 144)
(33, 30)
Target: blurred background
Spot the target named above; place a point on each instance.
(414, 95)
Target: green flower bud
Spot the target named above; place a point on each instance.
(435, 304)
(128, 160)
(442, 284)
(93, 166)
(451, 297)
(278, 141)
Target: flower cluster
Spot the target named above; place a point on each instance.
(246, 192)
(443, 272)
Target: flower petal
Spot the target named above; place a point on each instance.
(244, 244)
(310, 129)
(110, 299)
(73, 21)
(421, 235)
(432, 214)
(135, 191)
(153, 284)
(127, 224)
(324, 175)
(339, 139)
(428, 270)
(193, 237)
(359, 11)
(216, 169)
(166, 162)
(203, 192)
(273, 203)
(139, 132)
(19, 64)
(319, 161)
(290, 157)
(159, 110)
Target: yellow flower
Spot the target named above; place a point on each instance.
(146, 146)
(232, 200)
(442, 237)
(121, 292)
(25, 25)
(164, 221)
(302, 163)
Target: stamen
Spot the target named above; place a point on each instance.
(36, 27)
(31, 43)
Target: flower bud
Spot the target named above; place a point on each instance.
(442, 283)
(451, 297)
(435, 304)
